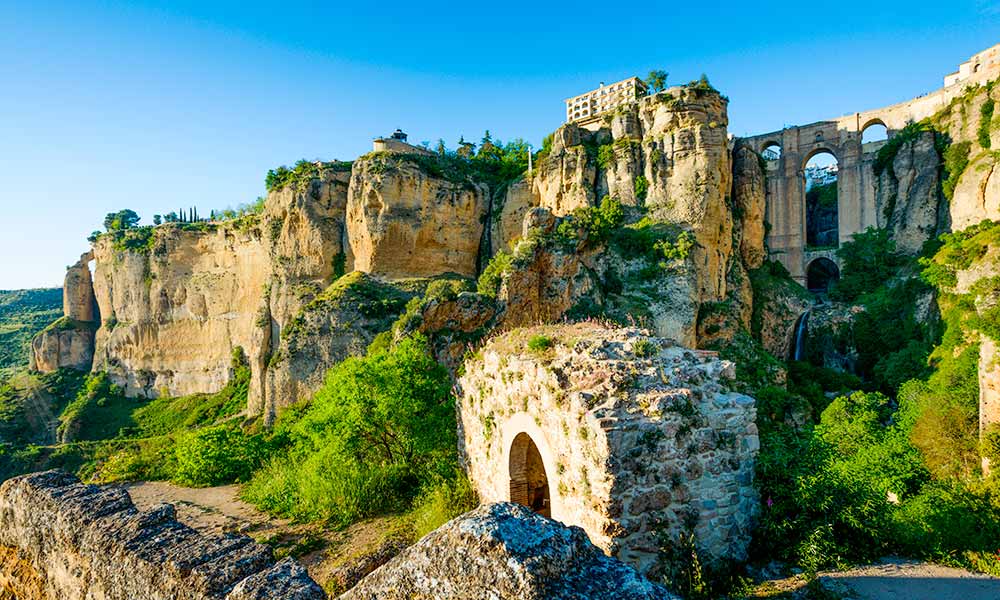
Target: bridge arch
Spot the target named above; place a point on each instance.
(875, 130)
(770, 145)
(529, 483)
(821, 273)
(821, 199)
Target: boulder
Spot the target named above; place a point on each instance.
(505, 552)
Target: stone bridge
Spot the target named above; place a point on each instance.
(791, 148)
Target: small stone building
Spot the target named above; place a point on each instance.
(634, 439)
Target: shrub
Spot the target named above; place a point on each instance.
(956, 159)
(869, 260)
(985, 119)
(641, 187)
(218, 455)
(644, 348)
(492, 276)
(379, 430)
(441, 501)
(540, 343)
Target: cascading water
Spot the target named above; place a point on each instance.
(801, 330)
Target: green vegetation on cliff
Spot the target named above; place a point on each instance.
(383, 424)
(23, 313)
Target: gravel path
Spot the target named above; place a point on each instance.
(901, 579)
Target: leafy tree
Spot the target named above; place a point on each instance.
(656, 81)
(121, 220)
(157, 219)
(170, 217)
(381, 428)
(870, 259)
(441, 148)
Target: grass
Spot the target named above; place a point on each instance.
(23, 313)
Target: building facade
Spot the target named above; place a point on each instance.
(979, 63)
(587, 108)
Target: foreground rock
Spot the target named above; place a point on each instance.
(90, 542)
(505, 551)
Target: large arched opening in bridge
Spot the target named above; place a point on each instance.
(529, 484)
(873, 135)
(771, 151)
(821, 274)
(821, 202)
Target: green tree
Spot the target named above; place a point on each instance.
(656, 81)
(870, 259)
(157, 219)
(121, 220)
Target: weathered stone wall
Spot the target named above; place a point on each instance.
(637, 436)
(90, 542)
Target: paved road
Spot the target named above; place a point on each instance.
(900, 579)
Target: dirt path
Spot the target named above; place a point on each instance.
(210, 510)
(901, 579)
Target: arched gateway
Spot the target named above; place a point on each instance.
(528, 483)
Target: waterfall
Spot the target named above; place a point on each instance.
(801, 330)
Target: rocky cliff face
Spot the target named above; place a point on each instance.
(69, 342)
(89, 542)
(667, 154)
(175, 301)
(908, 195)
(403, 222)
(174, 310)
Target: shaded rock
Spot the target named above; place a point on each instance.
(91, 542)
(505, 551)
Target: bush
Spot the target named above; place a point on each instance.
(540, 343)
(379, 430)
(218, 455)
(985, 119)
(869, 260)
(492, 276)
(442, 501)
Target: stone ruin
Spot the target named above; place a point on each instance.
(634, 439)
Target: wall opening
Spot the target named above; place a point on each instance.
(529, 484)
(821, 274)
(771, 151)
(820, 173)
(875, 131)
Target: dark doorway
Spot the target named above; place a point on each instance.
(821, 274)
(528, 483)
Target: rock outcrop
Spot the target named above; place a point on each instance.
(667, 153)
(505, 552)
(908, 195)
(403, 222)
(91, 542)
(69, 342)
(627, 430)
(174, 309)
(749, 194)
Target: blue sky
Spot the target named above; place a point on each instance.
(160, 105)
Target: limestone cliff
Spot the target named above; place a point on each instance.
(69, 342)
(666, 154)
(403, 221)
(908, 194)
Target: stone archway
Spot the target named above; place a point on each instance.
(529, 485)
(821, 274)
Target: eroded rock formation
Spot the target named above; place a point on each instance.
(90, 542)
(505, 552)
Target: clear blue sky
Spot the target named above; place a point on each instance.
(158, 105)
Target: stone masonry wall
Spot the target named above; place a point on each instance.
(639, 438)
(85, 541)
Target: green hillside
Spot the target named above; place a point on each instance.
(23, 313)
